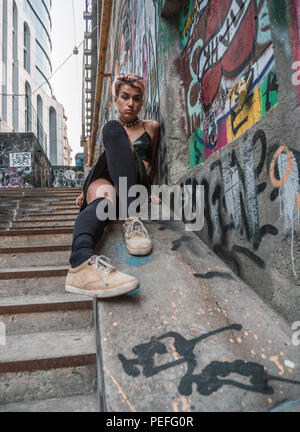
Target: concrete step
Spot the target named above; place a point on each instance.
(32, 314)
(47, 365)
(41, 225)
(34, 286)
(197, 338)
(50, 218)
(86, 403)
(33, 281)
(45, 237)
(35, 256)
(45, 216)
(33, 272)
(36, 225)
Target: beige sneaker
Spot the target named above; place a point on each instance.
(98, 278)
(137, 238)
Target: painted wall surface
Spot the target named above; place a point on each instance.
(220, 82)
(23, 163)
(243, 123)
(229, 71)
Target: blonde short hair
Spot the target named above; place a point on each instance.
(132, 80)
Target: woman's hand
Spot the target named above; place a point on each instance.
(154, 199)
(79, 200)
(148, 167)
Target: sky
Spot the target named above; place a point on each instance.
(67, 82)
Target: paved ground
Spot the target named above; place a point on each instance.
(193, 337)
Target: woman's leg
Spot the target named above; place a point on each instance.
(88, 230)
(120, 160)
(121, 163)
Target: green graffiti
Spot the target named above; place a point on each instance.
(269, 92)
(196, 148)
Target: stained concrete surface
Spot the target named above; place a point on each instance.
(194, 337)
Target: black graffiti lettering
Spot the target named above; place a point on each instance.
(272, 86)
(260, 136)
(249, 254)
(211, 275)
(211, 379)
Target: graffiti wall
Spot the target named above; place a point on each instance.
(229, 71)
(23, 163)
(136, 48)
(68, 177)
(252, 204)
(220, 81)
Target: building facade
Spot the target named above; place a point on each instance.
(27, 103)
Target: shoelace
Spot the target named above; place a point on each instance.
(136, 227)
(103, 265)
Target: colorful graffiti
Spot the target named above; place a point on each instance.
(229, 71)
(136, 48)
(23, 163)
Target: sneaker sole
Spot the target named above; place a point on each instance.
(140, 252)
(110, 292)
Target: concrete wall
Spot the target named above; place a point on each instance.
(23, 162)
(227, 96)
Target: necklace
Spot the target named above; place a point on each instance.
(130, 124)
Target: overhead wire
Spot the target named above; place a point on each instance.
(74, 52)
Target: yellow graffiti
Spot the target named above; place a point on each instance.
(247, 110)
(191, 18)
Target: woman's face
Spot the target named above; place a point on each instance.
(129, 103)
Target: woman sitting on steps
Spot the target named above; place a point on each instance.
(130, 151)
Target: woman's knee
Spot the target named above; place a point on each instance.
(101, 188)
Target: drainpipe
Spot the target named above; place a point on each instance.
(104, 34)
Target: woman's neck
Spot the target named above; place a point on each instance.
(129, 124)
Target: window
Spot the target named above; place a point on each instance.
(28, 114)
(53, 136)
(26, 47)
(40, 131)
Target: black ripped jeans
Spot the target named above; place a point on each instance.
(88, 228)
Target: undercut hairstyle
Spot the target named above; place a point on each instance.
(132, 80)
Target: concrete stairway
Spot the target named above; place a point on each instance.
(193, 338)
(49, 360)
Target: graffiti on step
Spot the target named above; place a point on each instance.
(67, 177)
(211, 379)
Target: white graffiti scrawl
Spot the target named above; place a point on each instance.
(17, 160)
